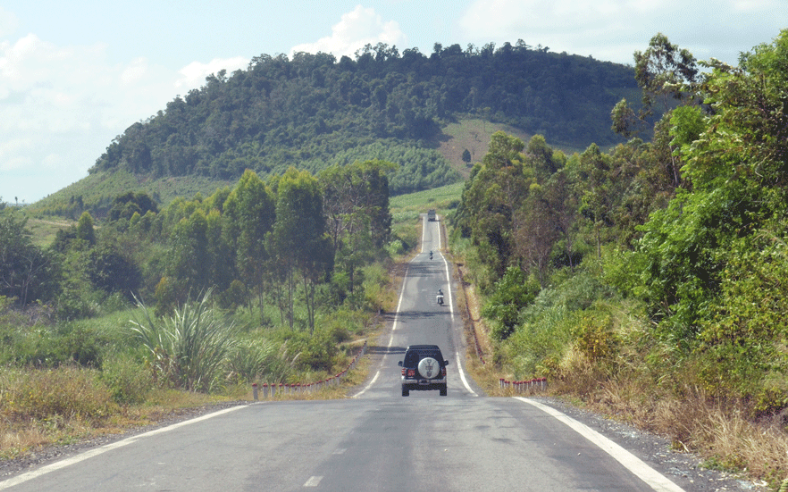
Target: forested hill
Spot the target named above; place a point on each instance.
(314, 110)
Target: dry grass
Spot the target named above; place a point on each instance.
(40, 408)
(720, 433)
(68, 404)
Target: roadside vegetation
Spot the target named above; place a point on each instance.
(648, 282)
(118, 324)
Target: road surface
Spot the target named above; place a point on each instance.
(375, 441)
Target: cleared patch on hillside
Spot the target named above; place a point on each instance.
(474, 134)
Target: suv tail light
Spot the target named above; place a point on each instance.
(443, 372)
(409, 373)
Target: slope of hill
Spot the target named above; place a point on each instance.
(314, 111)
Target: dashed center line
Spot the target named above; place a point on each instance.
(313, 481)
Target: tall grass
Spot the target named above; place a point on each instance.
(189, 348)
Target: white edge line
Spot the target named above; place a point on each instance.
(103, 449)
(368, 386)
(653, 478)
(451, 310)
(448, 282)
(423, 230)
(393, 328)
(462, 375)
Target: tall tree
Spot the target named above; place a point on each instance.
(85, 230)
(496, 189)
(251, 211)
(298, 240)
(190, 259)
(356, 205)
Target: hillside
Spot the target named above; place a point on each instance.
(314, 111)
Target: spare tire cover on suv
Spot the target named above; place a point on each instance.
(429, 368)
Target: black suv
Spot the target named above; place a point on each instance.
(423, 369)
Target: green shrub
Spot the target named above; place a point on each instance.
(189, 348)
(594, 336)
(128, 381)
(257, 360)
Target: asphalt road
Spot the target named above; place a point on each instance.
(375, 441)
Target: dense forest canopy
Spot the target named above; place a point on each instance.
(313, 111)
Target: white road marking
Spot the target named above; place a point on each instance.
(653, 478)
(448, 282)
(462, 375)
(368, 386)
(103, 449)
(313, 481)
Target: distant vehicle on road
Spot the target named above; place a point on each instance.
(431, 214)
(424, 368)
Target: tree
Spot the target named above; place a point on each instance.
(466, 156)
(496, 189)
(85, 230)
(298, 241)
(597, 199)
(736, 165)
(250, 210)
(190, 260)
(111, 271)
(356, 205)
(665, 71)
(26, 272)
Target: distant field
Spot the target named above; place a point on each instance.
(407, 207)
(45, 230)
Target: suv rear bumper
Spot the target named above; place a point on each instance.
(423, 384)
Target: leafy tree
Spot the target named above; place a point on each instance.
(597, 199)
(356, 205)
(496, 189)
(298, 241)
(26, 272)
(665, 70)
(111, 271)
(190, 261)
(512, 293)
(736, 166)
(250, 210)
(85, 230)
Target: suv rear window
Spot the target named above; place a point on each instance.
(413, 356)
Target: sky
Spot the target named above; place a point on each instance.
(74, 75)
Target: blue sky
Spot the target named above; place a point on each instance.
(73, 75)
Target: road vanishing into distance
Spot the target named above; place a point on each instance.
(375, 441)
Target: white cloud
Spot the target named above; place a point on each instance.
(61, 107)
(12, 152)
(193, 75)
(356, 29)
(614, 29)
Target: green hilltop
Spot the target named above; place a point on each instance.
(419, 111)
